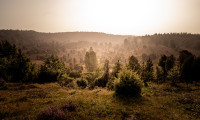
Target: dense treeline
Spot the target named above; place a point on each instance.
(125, 79)
(17, 67)
(40, 44)
(14, 65)
(171, 40)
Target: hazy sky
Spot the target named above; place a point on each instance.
(136, 17)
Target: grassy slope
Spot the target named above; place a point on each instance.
(157, 102)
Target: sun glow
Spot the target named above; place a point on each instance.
(135, 17)
(120, 16)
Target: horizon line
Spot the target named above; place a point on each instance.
(103, 32)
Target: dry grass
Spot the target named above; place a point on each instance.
(157, 102)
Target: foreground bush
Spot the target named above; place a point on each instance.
(82, 83)
(65, 80)
(75, 74)
(110, 84)
(127, 84)
(14, 65)
(51, 70)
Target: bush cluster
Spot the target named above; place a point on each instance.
(127, 84)
(65, 80)
(14, 65)
(82, 82)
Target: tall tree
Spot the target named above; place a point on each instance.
(147, 71)
(51, 70)
(134, 64)
(106, 74)
(14, 65)
(116, 69)
(91, 60)
(186, 62)
(166, 63)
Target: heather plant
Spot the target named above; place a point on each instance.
(69, 107)
(53, 113)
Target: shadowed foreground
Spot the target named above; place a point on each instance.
(22, 101)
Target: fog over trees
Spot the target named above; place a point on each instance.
(138, 68)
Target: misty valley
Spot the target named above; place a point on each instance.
(93, 75)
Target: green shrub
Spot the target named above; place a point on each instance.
(48, 76)
(173, 75)
(110, 84)
(14, 65)
(51, 70)
(127, 84)
(100, 81)
(90, 77)
(65, 80)
(158, 75)
(75, 74)
(82, 82)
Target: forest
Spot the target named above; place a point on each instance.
(90, 75)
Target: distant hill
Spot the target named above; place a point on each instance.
(16, 36)
(37, 44)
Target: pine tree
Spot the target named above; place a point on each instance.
(134, 64)
(147, 71)
(116, 69)
(91, 60)
(166, 63)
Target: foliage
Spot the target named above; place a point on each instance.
(162, 64)
(166, 63)
(110, 84)
(170, 62)
(158, 74)
(116, 69)
(106, 75)
(189, 66)
(156, 102)
(82, 82)
(51, 70)
(196, 69)
(65, 80)
(78, 68)
(100, 82)
(127, 84)
(134, 64)
(101, 79)
(186, 60)
(90, 77)
(14, 65)
(75, 74)
(173, 75)
(91, 61)
(147, 71)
